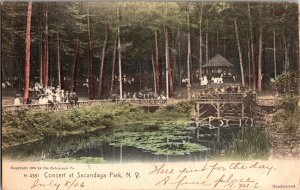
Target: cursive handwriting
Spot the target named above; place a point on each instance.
(256, 165)
(68, 184)
(212, 175)
(232, 182)
(161, 170)
(181, 182)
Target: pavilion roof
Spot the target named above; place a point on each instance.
(218, 61)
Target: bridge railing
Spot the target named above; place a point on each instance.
(225, 97)
(66, 106)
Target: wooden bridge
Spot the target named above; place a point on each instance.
(65, 106)
(221, 110)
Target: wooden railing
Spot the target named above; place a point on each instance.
(225, 97)
(66, 106)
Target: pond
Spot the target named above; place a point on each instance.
(140, 143)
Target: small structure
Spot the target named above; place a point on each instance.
(219, 66)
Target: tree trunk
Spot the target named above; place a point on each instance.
(179, 58)
(249, 61)
(171, 65)
(41, 63)
(90, 62)
(44, 62)
(217, 41)
(58, 64)
(206, 43)
(74, 67)
(200, 43)
(120, 55)
(240, 52)
(27, 63)
(100, 86)
(189, 58)
(274, 54)
(252, 48)
(154, 74)
(46, 50)
(157, 64)
(224, 36)
(286, 55)
(112, 86)
(167, 62)
(259, 85)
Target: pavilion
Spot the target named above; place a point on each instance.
(219, 66)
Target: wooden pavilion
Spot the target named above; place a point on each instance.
(218, 65)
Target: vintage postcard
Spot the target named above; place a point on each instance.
(150, 95)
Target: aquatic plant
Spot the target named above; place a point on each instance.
(165, 141)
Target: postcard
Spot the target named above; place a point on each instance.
(150, 95)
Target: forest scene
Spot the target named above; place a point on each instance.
(157, 80)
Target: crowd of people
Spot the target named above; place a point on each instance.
(146, 93)
(49, 95)
(226, 89)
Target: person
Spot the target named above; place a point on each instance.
(67, 97)
(57, 96)
(43, 99)
(62, 96)
(17, 100)
(73, 98)
(162, 96)
(205, 81)
(50, 97)
(221, 80)
(114, 97)
(134, 95)
(222, 89)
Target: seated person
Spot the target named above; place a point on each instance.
(17, 100)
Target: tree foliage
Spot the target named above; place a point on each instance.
(139, 22)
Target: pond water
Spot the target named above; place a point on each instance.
(151, 143)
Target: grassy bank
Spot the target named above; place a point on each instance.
(26, 126)
(284, 127)
(253, 144)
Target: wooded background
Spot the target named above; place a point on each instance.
(69, 42)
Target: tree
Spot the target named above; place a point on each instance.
(240, 52)
(90, 60)
(157, 63)
(100, 88)
(259, 84)
(167, 62)
(112, 86)
(154, 74)
(46, 50)
(200, 42)
(120, 54)
(58, 63)
(27, 63)
(189, 56)
(274, 53)
(74, 66)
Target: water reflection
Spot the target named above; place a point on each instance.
(134, 144)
